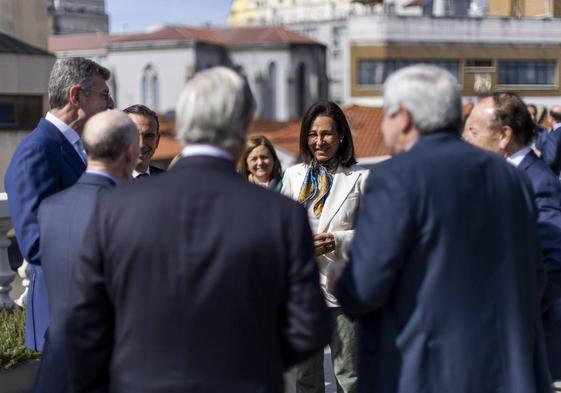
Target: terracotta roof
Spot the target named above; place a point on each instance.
(61, 43)
(230, 36)
(167, 149)
(365, 123)
(260, 35)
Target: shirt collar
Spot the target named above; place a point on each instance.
(556, 126)
(206, 150)
(69, 133)
(135, 173)
(104, 174)
(517, 157)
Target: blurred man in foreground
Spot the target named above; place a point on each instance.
(444, 276)
(196, 280)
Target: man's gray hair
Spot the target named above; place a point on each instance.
(429, 93)
(215, 107)
(70, 72)
(108, 134)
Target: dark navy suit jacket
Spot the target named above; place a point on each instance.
(63, 219)
(445, 274)
(194, 281)
(547, 191)
(43, 163)
(550, 147)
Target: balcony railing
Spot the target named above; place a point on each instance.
(7, 275)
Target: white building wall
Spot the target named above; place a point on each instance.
(171, 65)
(331, 33)
(255, 65)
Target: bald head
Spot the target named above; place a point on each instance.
(555, 113)
(108, 134)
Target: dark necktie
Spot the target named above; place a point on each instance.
(141, 175)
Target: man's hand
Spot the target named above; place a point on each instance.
(324, 243)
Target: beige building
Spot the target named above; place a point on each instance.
(525, 8)
(485, 54)
(243, 13)
(25, 20)
(280, 12)
(25, 65)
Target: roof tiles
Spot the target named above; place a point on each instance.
(365, 123)
(222, 36)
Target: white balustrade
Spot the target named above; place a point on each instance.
(7, 275)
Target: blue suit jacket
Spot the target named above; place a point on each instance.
(63, 219)
(233, 299)
(550, 147)
(445, 272)
(43, 163)
(547, 191)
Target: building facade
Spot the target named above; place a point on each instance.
(26, 66)
(77, 16)
(25, 21)
(525, 8)
(485, 54)
(286, 71)
(327, 21)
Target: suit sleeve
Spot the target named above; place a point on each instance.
(548, 200)
(30, 178)
(551, 152)
(379, 247)
(307, 324)
(91, 321)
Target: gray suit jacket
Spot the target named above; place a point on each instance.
(63, 219)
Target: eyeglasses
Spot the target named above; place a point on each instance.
(328, 136)
(106, 94)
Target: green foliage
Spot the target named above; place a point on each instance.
(12, 347)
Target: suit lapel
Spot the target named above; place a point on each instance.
(343, 182)
(67, 152)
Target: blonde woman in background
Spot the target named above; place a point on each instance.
(260, 165)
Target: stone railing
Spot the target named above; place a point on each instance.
(7, 275)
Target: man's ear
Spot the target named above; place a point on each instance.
(130, 155)
(157, 141)
(505, 137)
(74, 95)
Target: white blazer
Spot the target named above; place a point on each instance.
(338, 214)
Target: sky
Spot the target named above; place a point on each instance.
(137, 15)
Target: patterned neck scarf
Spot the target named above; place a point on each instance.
(317, 184)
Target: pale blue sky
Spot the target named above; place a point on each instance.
(137, 15)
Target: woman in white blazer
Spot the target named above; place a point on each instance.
(330, 185)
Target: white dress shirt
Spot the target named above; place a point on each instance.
(517, 157)
(206, 150)
(69, 133)
(135, 173)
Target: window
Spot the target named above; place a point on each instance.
(479, 63)
(20, 112)
(150, 88)
(526, 72)
(375, 72)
